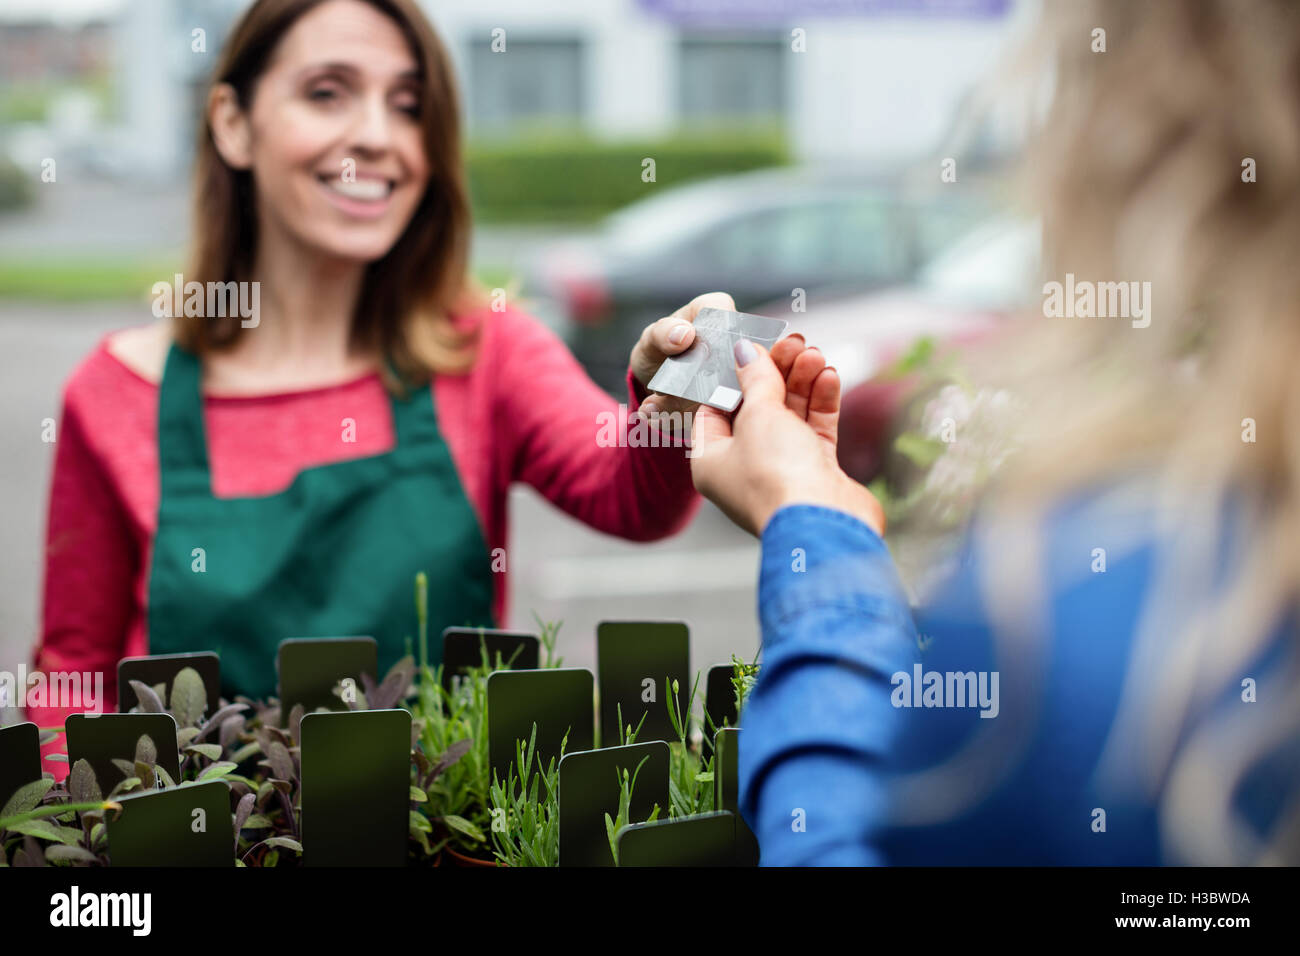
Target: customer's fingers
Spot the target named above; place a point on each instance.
(761, 381)
(824, 405)
(708, 429)
(799, 383)
(787, 350)
(716, 300)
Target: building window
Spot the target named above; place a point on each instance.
(534, 81)
(732, 77)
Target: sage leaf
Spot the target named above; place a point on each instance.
(280, 760)
(243, 811)
(287, 842)
(461, 825)
(150, 701)
(46, 830)
(73, 854)
(217, 770)
(211, 751)
(146, 751)
(125, 786)
(189, 697)
(26, 797)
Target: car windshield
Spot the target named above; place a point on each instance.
(993, 267)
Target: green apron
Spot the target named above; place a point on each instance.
(333, 555)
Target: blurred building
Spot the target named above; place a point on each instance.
(844, 80)
(36, 51)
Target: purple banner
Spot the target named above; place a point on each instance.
(741, 12)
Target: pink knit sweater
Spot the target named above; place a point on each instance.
(525, 412)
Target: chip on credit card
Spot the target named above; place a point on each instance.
(706, 372)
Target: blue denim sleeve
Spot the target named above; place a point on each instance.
(819, 724)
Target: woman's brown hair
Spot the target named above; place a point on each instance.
(408, 298)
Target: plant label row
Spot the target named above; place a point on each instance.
(20, 758)
(464, 648)
(161, 669)
(636, 665)
(356, 788)
(705, 839)
(559, 700)
(99, 739)
(591, 786)
(726, 780)
(311, 667)
(189, 825)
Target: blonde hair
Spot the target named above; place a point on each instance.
(1139, 168)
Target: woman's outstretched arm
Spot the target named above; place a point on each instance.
(836, 624)
(819, 725)
(570, 440)
(90, 560)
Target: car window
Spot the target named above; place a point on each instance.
(868, 241)
(939, 225)
(822, 240)
(666, 221)
(995, 266)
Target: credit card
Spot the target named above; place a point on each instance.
(706, 372)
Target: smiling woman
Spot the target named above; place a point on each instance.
(222, 484)
(350, 135)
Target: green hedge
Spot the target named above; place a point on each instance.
(107, 277)
(16, 187)
(575, 179)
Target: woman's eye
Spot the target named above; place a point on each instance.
(323, 94)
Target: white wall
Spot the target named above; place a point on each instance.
(152, 99)
(871, 87)
(866, 89)
(885, 88)
(630, 89)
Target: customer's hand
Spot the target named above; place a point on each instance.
(671, 335)
(779, 448)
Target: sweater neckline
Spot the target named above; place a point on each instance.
(223, 397)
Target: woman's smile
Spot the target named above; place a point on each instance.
(362, 197)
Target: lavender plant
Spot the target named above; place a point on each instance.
(526, 828)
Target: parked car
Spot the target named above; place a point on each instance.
(962, 296)
(759, 236)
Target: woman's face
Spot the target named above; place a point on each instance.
(333, 137)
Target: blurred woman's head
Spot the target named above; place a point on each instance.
(1170, 154)
(333, 131)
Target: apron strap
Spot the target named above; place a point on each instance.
(182, 438)
(415, 423)
(183, 465)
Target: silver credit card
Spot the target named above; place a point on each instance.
(706, 372)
